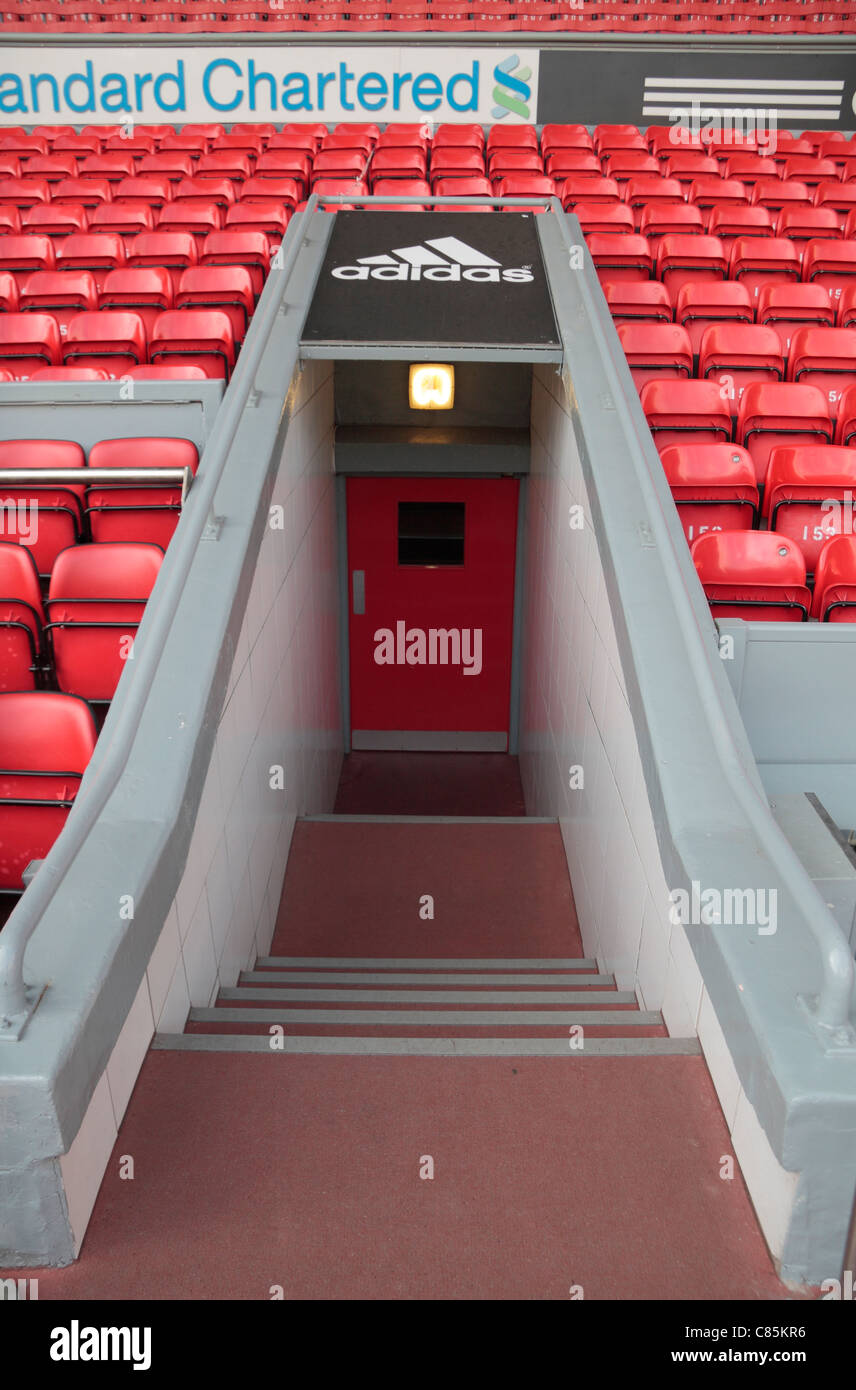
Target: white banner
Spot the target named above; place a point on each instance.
(53, 85)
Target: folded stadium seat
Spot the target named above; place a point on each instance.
(255, 133)
(686, 412)
(566, 164)
(96, 600)
(788, 307)
(815, 138)
(148, 513)
(781, 413)
(478, 187)
(250, 249)
(836, 149)
(283, 192)
(349, 131)
(637, 301)
(21, 255)
(219, 287)
(88, 192)
(808, 170)
(846, 315)
(564, 137)
(508, 160)
(588, 190)
(10, 221)
(605, 217)
(23, 146)
(259, 217)
(112, 166)
(834, 599)
(202, 192)
(403, 135)
(206, 130)
(69, 374)
(841, 197)
(172, 165)
(526, 186)
(174, 250)
(339, 188)
(147, 292)
(682, 257)
(286, 164)
(98, 252)
(650, 190)
(698, 303)
(195, 337)
(142, 190)
(22, 619)
(62, 293)
(139, 145)
(656, 351)
(58, 507)
(28, 341)
(620, 257)
(197, 219)
(829, 263)
(69, 142)
(336, 164)
(225, 164)
(713, 486)
(113, 341)
(667, 219)
(663, 142)
(626, 164)
(178, 143)
(303, 135)
(825, 358)
(46, 741)
(147, 372)
(808, 495)
(126, 219)
(23, 193)
(749, 168)
(55, 219)
(398, 162)
(618, 137)
(400, 188)
(518, 137)
(450, 162)
(736, 354)
(776, 194)
(801, 223)
(51, 167)
(727, 223)
(757, 261)
(709, 193)
(8, 293)
(754, 575)
(728, 144)
(687, 165)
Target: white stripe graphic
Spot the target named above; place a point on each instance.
(459, 251)
(790, 113)
(754, 83)
(376, 260)
(418, 255)
(766, 99)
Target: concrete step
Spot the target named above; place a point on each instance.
(471, 1018)
(310, 994)
(417, 963)
(419, 977)
(426, 1047)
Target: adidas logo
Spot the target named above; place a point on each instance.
(444, 258)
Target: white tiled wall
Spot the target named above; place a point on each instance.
(282, 709)
(576, 713)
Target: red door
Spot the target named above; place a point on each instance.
(431, 596)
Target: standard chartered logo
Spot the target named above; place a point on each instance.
(511, 92)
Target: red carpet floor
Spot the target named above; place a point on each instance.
(430, 784)
(253, 1171)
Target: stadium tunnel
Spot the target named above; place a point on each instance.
(507, 574)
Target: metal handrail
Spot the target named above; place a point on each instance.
(84, 476)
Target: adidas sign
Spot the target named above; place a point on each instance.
(444, 258)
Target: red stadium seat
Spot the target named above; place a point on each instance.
(713, 486)
(779, 193)
(173, 250)
(808, 495)
(729, 222)
(196, 337)
(123, 219)
(113, 341)
(588, 190)
(169, 165)
(564, 137)
(196, 219)
(146, 190)
(89, 193)
(686, 412)
(565, 164)
(753, 575)
(68, 374)
(225, 164)
(99, 253)
(802, 222)
(62, 293)
(249, 249)
(699, 303)
(272, 221)
(669, 219)
(749, 168)
(284, 192)
(846, 315)
(656, 351)
(648, 191)
(148, 513)
(831, 264)
(95, 603)
(10, 221)
(229, 288)
(757, 261)
(841, 197)
(622, 165)
(21, 618)
(55, 219)
(58, 508)
(636, 301)
(781, 413)
(21, 255)
(28, 341)
(458, 136)
(825, 358)
(681, 258)
(736, 354)
(606, 217)
(46, 741)
(687, 165)
(286, 164)
(23, 193)
(808, 170)
(145, 291)
(204, 192)
(620, 257)
(398, 162)
(8, 293)
(518, 137)
(709, 193)
(834, 599)
(112, 166)
(788, 307)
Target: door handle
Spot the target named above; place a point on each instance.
(359, 587)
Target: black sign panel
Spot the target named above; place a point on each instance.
(454, 279)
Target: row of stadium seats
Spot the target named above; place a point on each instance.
(818, 17)
(115, 341)
(784, 306)
(761, 575)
